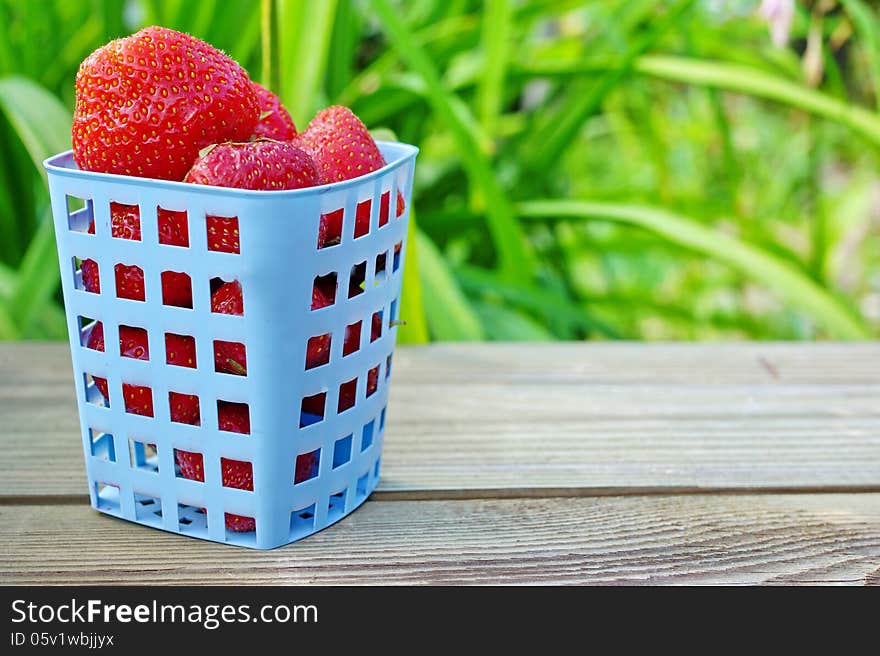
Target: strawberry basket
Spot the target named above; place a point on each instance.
(315, 424)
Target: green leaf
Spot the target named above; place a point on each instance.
(450, 316)
(516, 260)
(412, 308)
(503, 324)
(495, 42)
(772, 272)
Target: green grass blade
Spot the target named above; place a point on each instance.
(516, 260)
(450, 316)
(40, 120)
(867, 27)
(269, 42)
(304, 32)
(412, 308)
(496, 45)
(793, 285)
(37, 279)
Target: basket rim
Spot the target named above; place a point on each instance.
(63, 164)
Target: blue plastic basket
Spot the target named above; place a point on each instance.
(130, 459)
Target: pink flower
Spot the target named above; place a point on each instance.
(779, 15)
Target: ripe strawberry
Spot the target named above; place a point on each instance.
(223, 234)
(180, 350)
(262, 165)
(132, 344)
(306, 464)
(343, 149)
(227, 299)
(229, 357)
(233, 417)
(146, 104)
(235, 473)
(184, 408)
(275, 122)
(125, 223)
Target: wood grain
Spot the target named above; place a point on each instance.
(703, 539)
(574, 419)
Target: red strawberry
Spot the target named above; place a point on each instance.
(132, 344)
(323, 295)
(275, 122)
(180, 350)
(341, 145)
(184, 408)
(235, 473)
(347, 392)
(146, 104)
(223, 234)
(343, 149)
(306, 464)
(229, 357)
(125, 223)
(233, 417)
(262, 165)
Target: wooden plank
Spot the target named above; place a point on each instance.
(546, 419)
(740, 539)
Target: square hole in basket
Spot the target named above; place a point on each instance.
(336, 505)
(85, 275)
(96, 391)
(362, 218)
(330, 229)
(138, 400)
(227, 297)
(239, 528)
(382, 420)
(381, 263)
(101, 445)
(230, 358)
(376, 328)
(238, 474)
(133, 343)
(357, 279)
(392, 315)
(173, 227)
(189, 465)
(307, 466)
(79, 214)
(302, 521)
(387, 367)
(143, 456)
(85, 326)
(401, 204)
(324, 291)
(125, 221)
(234, 417)
(347, 394)
(129, 282)
(177, 289)
(367, 437)
(180, 350)
(352, 341)
(342, 451)
(184, 408)
(384, 202)
(107, 496)
(396, 264)
(191, 520)
(372, 380)
(223, 234)
(312, 409)
(147, 508)
(318, 351)
(376, 468)
(361, 489)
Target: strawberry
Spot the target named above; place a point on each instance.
(125, 223)
(132, 344)
(323, 294)
(233, 417)
(184, 408)
(275, 122)
(223, 234)
(229, 357)
(180, 350)
(263, 165)
(235, 473)
(227, 299)
(146, 104)
(306, 464)
(343, 149)
(347, 391)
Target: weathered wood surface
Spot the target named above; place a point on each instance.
(696, 539)
(563, 463)
(482, 420)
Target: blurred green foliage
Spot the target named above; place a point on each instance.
(634, 169)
